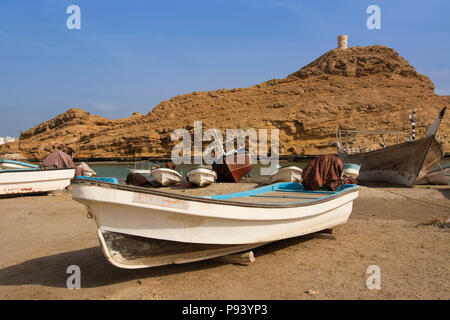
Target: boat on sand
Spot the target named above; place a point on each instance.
(166, 176)
(146, 227)
(27, 181)
(201, 176)
(287, 174)
(400, 164)
(232, 167)
(437, 176)
(11, 164)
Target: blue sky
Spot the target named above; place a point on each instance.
(130, 55)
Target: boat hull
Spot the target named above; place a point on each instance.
(234, 169)
(204, 227)
(131, 252)
(201, 177)
(34, 181)
(11, 164)
(435, 177)
(140, 227)
(135, 211)
(287, 174)
(141, 171)
(400, 164)
(166, 177)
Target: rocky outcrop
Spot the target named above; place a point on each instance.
(364, 88)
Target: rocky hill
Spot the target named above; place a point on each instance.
(363, 88)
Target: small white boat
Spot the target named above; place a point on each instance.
(287, 174)
(351, 170)
(11, 164)
(141, 171)
(201, 176)
(437, 176)
(86, 170)
(25, 181)
(145, 227)
(166, 176)
(142, 168)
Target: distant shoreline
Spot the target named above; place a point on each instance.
(164, 159)
(167, 159)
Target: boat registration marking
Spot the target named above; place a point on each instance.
(159, 200)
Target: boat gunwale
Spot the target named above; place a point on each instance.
(194, 171)
(168, 170)
(207, 199)
(32, 170)
(26, 164)
(398, 145)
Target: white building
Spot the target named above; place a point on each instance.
(4, 140)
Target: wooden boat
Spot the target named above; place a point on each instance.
(437, 176)
(201, 176)
(11, 164)
(400, 164)
(166, 176)
(232, 168)
(26, 181)
(287, 174)
(143, 227)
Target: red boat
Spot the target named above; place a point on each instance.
(233, 171)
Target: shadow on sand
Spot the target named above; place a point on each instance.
(445, 193)
(96, 271)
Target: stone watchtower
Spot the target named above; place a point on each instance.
(342, 41)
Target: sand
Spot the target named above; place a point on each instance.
(40, 236)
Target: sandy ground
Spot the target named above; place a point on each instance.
(40, 236)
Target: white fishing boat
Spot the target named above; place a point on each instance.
(141, 171)
(166, 176)
(287, 174)
(11, 164)
(437, 176)
(351, 170)
(201, 176)
(145, 227)
(25, 181)
(142, 168)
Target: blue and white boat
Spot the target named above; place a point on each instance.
(146, 227)
(11, 164)
(19, 178)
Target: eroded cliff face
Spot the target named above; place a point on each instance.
(360, 88)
